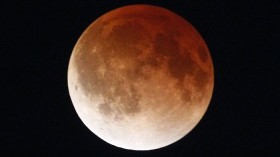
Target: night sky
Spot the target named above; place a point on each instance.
(37, 115)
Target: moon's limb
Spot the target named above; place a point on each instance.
(140, 77)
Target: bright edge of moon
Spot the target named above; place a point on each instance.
(140, 77)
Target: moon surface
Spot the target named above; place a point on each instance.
(140, 77)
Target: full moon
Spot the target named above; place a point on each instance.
(140, 77)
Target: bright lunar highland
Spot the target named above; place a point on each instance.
(140, 77)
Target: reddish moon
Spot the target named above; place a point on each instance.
(140, 77)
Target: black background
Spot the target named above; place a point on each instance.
(38, 118)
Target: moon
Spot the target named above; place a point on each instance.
(140, 77)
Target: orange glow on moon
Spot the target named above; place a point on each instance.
(140, 77)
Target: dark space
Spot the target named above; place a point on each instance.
(37, 115)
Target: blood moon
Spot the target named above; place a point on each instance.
(140, 77)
